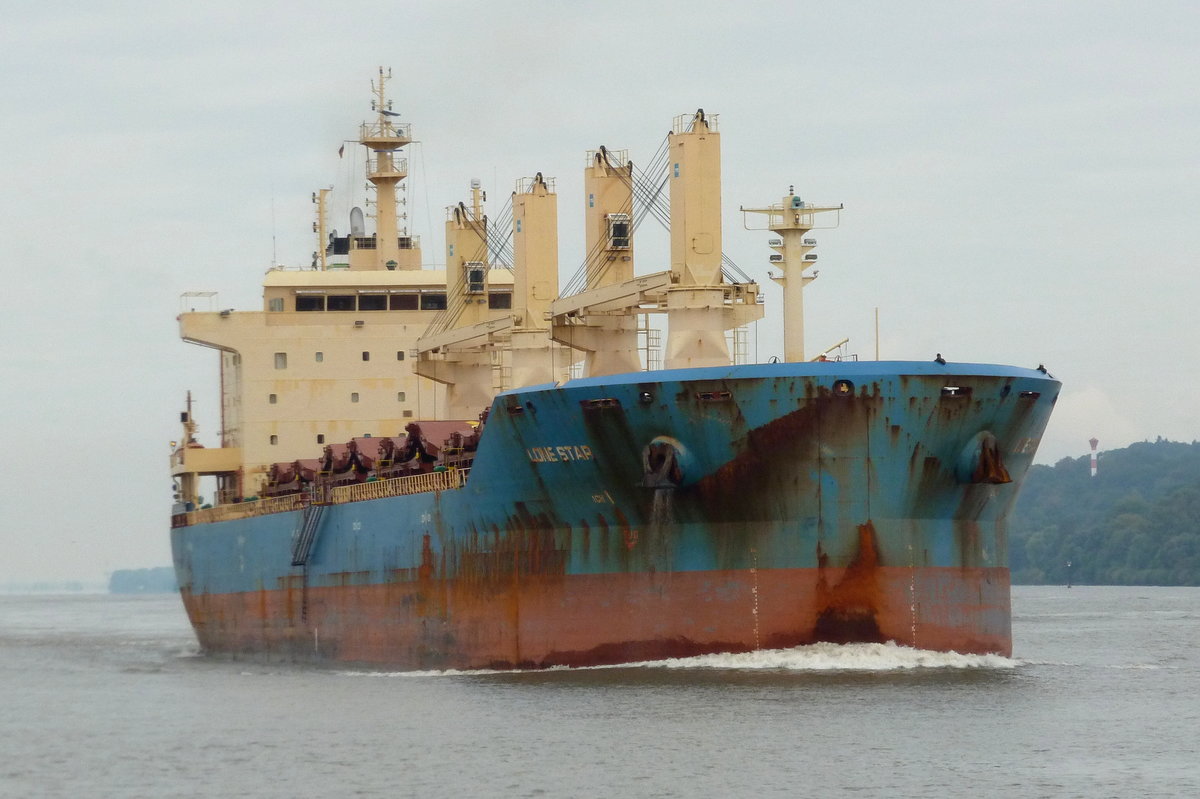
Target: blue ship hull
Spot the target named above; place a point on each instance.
(648, 515)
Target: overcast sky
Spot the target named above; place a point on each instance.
(1020, 182)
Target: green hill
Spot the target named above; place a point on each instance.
(1137, 522)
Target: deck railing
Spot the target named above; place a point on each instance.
(399, 486)
(241, 510)
(376, 489)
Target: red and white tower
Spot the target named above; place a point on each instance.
(1094, 442)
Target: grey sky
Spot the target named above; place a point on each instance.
(1017, 180)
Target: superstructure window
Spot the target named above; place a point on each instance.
(271, 398)
(500, 299)
(281, 360)
(310, 303)
(405, 302)
(320, 357)
(366, 356)
(372, 302)
(433, 301)
(275, 304)
(475, 275)
(354, 396)
(274, 440)
(407, 414)
(399, 355)
(618, 231)
(400, 396)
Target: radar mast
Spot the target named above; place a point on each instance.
(384, 138)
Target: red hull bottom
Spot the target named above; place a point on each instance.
(582, 620)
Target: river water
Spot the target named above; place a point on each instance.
(107, 696)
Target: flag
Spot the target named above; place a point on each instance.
(341, 150)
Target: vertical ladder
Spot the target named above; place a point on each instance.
(302, 541)
(737, 339)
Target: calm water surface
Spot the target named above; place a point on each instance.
(106, 696)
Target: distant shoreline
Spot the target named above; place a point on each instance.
(159, 580)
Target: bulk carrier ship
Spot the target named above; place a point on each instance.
(461, 468)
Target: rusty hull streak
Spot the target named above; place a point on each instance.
(735, 491)
(848, 609)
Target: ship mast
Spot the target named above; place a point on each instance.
(189, 483)
(320, 227)
(792, 219)
(384, 138)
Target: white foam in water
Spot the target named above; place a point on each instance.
(838, 657)
(814, 657)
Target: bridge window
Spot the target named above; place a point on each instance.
(405, 302)
(433, 301)
(372, 302)
(500, 299)
(275, 304)
(341, 302)
(310, 303)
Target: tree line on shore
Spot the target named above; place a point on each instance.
(1137, 522)
(157, 580)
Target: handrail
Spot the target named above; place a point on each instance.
(241, 510)
(376, 489)
(400, 486)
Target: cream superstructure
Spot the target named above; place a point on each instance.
(367, 340)
(329, 357)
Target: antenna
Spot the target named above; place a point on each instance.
(877, 332)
